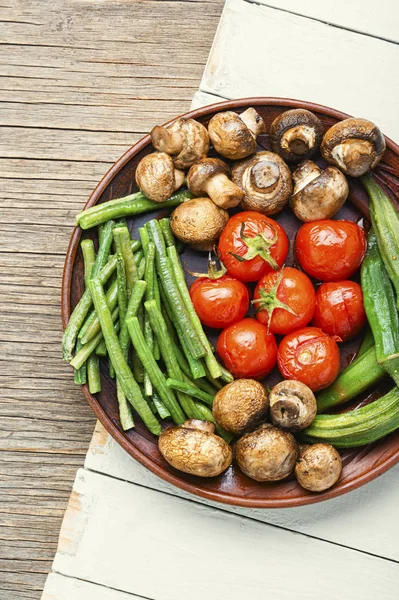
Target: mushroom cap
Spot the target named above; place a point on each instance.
(318, 193)
(319, 467)
(198, 222)
(292, 405)
(354, 146)
(195, 449)
(230, 136)
(194, 139)
(241, 405)
(266, 181)
(155, 176)
(267, 454)
(296, 134)
(199, 174)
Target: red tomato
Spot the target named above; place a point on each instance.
(220, 302)
(339, 309)
(247, 349)
(288, 287)
(260, 241)
(330, 250)
(309, 355)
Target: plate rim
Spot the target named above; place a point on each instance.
(109, 425)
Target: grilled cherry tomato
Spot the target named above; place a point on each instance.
(220, 302)
(339, 309)
(309, 355)
(247, 349)
(330, 250)
(252, 245)
(285, 300)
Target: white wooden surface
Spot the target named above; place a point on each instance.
(127, 533)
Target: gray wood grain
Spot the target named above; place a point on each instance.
(80, 82)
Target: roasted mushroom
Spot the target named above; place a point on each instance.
(354, 146)
(234, 136)
(157, 177)
(266, 181)
(296, 134)
(292, 405)
(186, 140)
(241, 405)
(319, 467)
(317, 194)
(211, 176)
(198, 222)
(195, 449)
(267, 454)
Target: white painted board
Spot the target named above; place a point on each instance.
(378, 19)
(363, 519)
(59, 587)
(259, 51)
(133, 539)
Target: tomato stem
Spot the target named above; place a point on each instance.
(268, 300)
(213, 271)
(259, 245)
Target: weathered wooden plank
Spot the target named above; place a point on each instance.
(105, 513)
(59, 587)
(378, 20)
(302, 59)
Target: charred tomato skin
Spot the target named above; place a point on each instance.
(311, 356)
(294, 290)
(330, 250)
(231, 243)
(220, 302)
(339, 309)
(247, 350)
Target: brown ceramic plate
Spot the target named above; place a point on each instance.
(233, 487)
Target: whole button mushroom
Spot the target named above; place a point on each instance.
(195, 449)
(234, 136)
(296, 134)
(241, 405)
(354, 146)
(292, 405)
(157, 177)
(186, 140)
(266, 181)
(318, 193)
(319, 467)
(198, 222)
(267, 454)
(210, 176)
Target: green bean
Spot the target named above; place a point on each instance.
(80, 374)
(207, 415)
(125, 409)
(93, 373)
(190, 390)
(167, 232)
(138, 369)
(80, 311)
(171, 289)
(129, 385)
(100, 230)
(122, 291)
(80, 358)
(141, 269)
(134, 204)
(215, 382)
(210, 360)
(138, 257)
(123, 246)
(149, 253)
(101, 349)
(160, 406)
(92, 326)
(135, 245)
(89, 257)
(153, 370)
(205, 386)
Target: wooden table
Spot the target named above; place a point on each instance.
(126, 533)
(81, 82)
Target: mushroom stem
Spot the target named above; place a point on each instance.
(298, 140)
(179, 178)
(253, 121)
(201, 425)
(167, 141)
(355, 156)
(223, 192)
